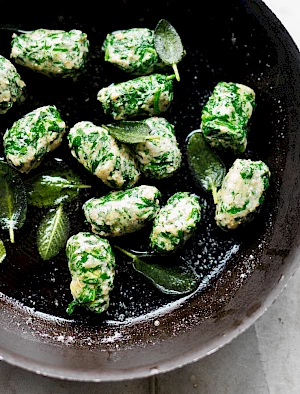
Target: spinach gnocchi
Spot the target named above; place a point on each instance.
(30, 138)
(51, 52)
(133, 51)
(159, 158)
(225, 116)
(147, 95)
(242, 193)
(122, 212)
(175, 222)
(91, 262)
(103, 155)
(11, 85)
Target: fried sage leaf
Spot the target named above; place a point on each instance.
(13, 202)
(130, 132)
(53, 187)
(168, 45)
(175, 279)
(206, 166)
(2, 251)
(53, 233)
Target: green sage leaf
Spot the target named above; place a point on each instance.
(206, 166)
(175, 279)
(2, 251)
(53, 233)
(53, 187)
(13, 202)
(130, 132)
(168, 45)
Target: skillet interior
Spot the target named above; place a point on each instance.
(144, 332)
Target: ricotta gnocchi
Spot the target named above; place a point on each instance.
(242, 193)
(175, 222)
(103, 155)
(122, 212)
(133, 51)
(92, 266)
(51, 52)
(162, 157)
(226, 115)
(148, 95)
(30, 138)
(11, 85)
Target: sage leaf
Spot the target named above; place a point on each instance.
(13, 202)
(206, 166)
(175, 279)
(53, 233)
(2, 251)
(53, 187)
(168, 45)
(130, 132)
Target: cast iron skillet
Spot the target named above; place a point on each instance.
(242, 272)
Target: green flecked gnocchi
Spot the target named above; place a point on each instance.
(148, 95)
(11, 85)
(91, 263)
(133, 51)
(122, 212)
(242, 193)
(175, 222)
(31, 137)
(51, 52)
(226, 115)
(159, 158)
(103, 155)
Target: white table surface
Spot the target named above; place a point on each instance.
(263, 360)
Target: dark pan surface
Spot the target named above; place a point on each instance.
(144, 332)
